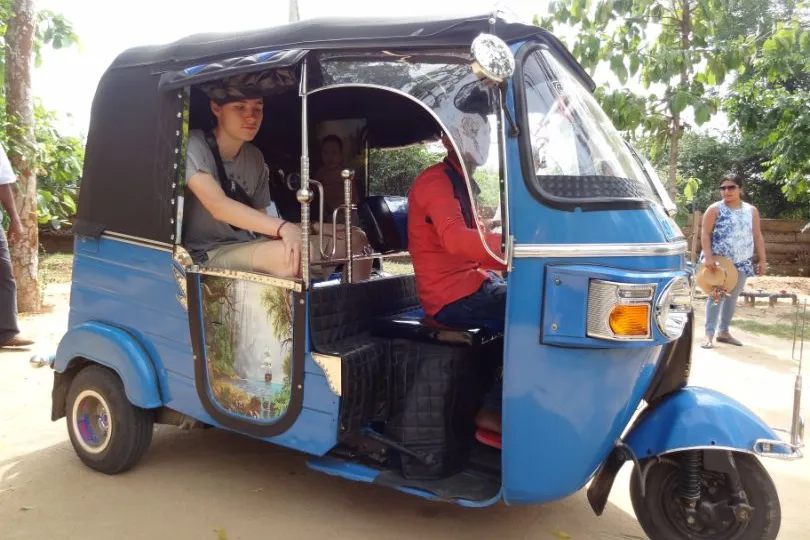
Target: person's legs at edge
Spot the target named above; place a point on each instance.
(712, 313)
(727, 313)
(8, 294)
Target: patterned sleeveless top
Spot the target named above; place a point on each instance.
(733, 236)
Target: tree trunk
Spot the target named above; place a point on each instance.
(674, 138)
(20, 112)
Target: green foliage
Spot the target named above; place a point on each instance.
(57, 158)
(769, 104)
(704, 159)
(392, 171)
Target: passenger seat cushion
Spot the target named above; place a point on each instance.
(435, 393)
(340, 312)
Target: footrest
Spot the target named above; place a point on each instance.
(489, 438)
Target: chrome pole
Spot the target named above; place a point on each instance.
(797, 423)
(348, 178)
(304, 194)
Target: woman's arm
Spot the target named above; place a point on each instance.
(709, 219)
(759, 241)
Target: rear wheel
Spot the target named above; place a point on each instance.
(717, 512)
(108, 433)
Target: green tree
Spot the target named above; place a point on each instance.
(769, 103)
(675, 48)
(392, 171)
(23, 34)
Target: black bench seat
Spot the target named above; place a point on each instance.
(416, 326)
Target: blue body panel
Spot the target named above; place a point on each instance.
(132, 290)
(119, 351)
(564, 408)
(697, 417)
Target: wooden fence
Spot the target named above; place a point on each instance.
(787, 249)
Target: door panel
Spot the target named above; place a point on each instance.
(248, 356)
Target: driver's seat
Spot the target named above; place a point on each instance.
(385, 222)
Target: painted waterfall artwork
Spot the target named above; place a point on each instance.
(248, 346)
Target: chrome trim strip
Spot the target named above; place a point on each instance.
(134, 240)
(296, 286)
(795, 450)
(663, 249)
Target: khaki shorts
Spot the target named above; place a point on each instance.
(237, 257)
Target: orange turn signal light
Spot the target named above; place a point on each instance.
(630, 320)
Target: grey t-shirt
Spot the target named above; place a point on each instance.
(248, 169)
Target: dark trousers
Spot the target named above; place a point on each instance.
(8, 293)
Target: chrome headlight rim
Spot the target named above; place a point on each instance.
(663, 307)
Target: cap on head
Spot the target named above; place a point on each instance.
(254, 85)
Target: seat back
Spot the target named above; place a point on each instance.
(385, 221)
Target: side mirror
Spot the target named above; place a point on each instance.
(492, 58)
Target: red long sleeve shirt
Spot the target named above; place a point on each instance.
(449, 259)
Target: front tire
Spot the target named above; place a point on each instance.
(660, 511)
(108, 433)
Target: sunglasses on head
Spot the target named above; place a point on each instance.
(728, 188)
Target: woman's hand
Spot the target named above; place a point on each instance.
(761, 268)
(708, 261)
(291, 236)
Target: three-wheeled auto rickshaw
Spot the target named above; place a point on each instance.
(593, 362)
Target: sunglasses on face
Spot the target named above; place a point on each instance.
(728, 188)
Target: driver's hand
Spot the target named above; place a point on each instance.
(291, 236)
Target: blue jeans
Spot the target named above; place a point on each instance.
(724, 310)
(485, 307)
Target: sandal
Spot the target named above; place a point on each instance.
(730, 340)
(707, 343)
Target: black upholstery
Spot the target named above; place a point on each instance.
(385, 221)
(341, 317)
(435, 391)
(415, 325)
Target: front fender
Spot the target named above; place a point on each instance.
(690, 418)
(695, 417)
(118, 350)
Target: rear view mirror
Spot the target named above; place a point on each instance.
(492, 58)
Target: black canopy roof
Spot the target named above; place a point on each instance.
(134, 148)
(331, 33)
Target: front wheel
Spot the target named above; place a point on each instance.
(715, 508)
(108, 433)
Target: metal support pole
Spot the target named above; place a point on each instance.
(304, 194)
(348, 179)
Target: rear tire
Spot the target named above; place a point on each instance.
(108, 433)
(658, 511)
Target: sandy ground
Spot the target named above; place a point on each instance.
(220, 486)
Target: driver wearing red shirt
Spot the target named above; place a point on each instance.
(455, 277)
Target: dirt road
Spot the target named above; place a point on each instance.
(214, 485)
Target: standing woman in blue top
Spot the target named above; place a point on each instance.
(731, 229)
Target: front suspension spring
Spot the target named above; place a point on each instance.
(691, 467)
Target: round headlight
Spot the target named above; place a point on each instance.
(673, 307)
(492, 58)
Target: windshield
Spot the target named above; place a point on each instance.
(576, 155)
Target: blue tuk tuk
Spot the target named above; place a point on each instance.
(596, 352)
